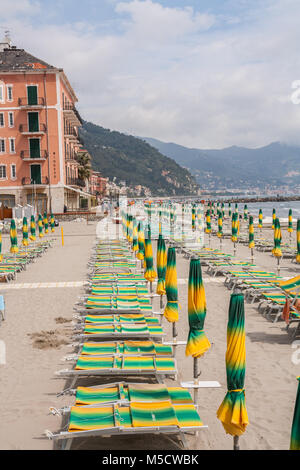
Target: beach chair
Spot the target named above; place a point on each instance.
(129, 347)
(120, 365)
(121, 330)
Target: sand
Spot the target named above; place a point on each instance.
(38, 326)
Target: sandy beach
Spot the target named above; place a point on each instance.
(37, 331)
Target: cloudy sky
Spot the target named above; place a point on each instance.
(201, 73)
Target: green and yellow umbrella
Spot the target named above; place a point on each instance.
(1, 256)
(232, 412)
(220, 225)
(298, 242)
(25, 232)
(46, 224)
(40, 226)
(197, 343)
(141, 242)
(193, 218)
(135, 245)
(52, 223)
(245, 212)
(32, 228)
(273, 218)
(295, 434)
(208, 222)
(251, 232)
(229, 209)
(130, 229)
(13, 237)
(171, 310)
(290, 221)
(260, 219)
(277, 239)
(234, 227)
(150, 273)
(161, 259)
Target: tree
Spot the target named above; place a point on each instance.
(85, 168)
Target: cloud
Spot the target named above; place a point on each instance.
(177, 74)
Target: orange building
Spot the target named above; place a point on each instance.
(38, 133)
(97, 184)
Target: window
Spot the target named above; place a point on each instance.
(2, 145)
(2, 93)
(11, 119)
(13, 171)
(9, 93)
(12, 147)
(2, 171)
(1, 119)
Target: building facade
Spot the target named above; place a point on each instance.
(38, 134)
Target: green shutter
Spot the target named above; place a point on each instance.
(33, 122)
(32, 97)
(34, 148)
(35, 174)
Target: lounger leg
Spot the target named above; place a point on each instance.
(67, 444)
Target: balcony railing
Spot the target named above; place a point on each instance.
(26, 155)
(40, 101)
(69, 107)
(75, 182)
(26, 180)
(69, 131)
(25, 129)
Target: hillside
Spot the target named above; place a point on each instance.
(135, 162)
(275, 164)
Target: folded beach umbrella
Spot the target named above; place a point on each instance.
(232, 412)
(298, 242)
(161, 259)
(141, 242)
(130, 229)
(277, 239)
(197, 343)
(1, 256)
(229, 209)
(45, 220)
(223, 210)
(25, 232)
(193, 218)
(150, 273)
(260, 219)
(220, 225)
(40, 226)
(290, 221)
(208, 222)
(135, 245)
(32, 228)
(234, 227)
(251, 232)
(273, 218)
(295, 434)
(171, 310)
(236, 207)
(245, 212)
(52, 222)
(13, 237)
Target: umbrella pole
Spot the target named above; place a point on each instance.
(209, 240)
(252, 255)
(234, 249)
(236, 444)
(278, 266)
(220, 243)
(174, 334)
(196, 381)
(151, 287)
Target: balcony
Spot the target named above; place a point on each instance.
(27, 156)
(71, 134)
(34, 104)
(72, 114)
(42, 181)
(27, 130)
(75, 182)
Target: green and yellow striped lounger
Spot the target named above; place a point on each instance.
(116, 319)
(125, 393)
(135, 418)
(122, 330)
(126, 347)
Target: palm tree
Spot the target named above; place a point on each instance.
(85, 168)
